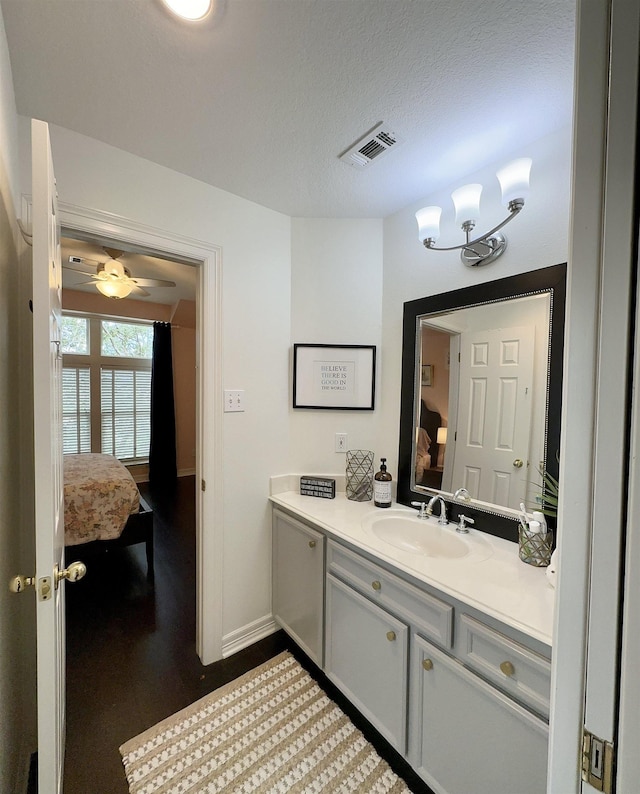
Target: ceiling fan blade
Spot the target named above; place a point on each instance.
(82, 283)
(138, 291)
(153, 282)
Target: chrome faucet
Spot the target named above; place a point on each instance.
(443, 520)
(422, 509)
(462, 494)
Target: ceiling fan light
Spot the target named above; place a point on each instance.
(112, 288)
(113, 268)
(193, 10)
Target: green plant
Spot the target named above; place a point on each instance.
(547, 500)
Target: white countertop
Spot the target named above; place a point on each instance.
(501, 585)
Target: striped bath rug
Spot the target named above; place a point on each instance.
(271, 730)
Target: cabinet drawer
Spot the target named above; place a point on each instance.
(433, 617)
(521, 672)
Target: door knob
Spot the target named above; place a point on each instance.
(20, 583)
(74, 572)
(518, 464)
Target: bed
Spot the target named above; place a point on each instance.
(103, 506)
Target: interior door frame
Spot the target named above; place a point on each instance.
(209, 403)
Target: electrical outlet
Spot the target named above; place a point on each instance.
(233, 400)
(341, 442)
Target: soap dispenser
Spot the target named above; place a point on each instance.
(382, 486)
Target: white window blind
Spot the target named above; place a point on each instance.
(76, 410)
(125, 397)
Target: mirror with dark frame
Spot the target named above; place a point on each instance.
(481, 397)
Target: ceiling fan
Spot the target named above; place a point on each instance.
(112, 278)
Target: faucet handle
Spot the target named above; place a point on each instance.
(462, 526)
(423, 509)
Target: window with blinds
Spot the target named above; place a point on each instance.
(125, 402)
(76, 409)
(106, 391)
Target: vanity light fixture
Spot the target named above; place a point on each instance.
(514, 181)
(192, 10)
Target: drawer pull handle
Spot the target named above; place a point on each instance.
(376, 585)
(312, 544)
(427, 664)
(391, 635)
(507, 668)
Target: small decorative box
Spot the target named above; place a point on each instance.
(325, 487)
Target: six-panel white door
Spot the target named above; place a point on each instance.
(49, 509)
(494, 414)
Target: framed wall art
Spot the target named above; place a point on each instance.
(339, 377)
(427, 374)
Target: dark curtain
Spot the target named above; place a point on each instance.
(162, 450)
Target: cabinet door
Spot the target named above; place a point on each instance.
(298, 579)
(366, 657)
(466, 736)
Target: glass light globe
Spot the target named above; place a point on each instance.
(192, 10)
(113, 288)
(466, 200)
(428, 223)
(514, 179)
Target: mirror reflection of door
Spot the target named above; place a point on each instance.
(483, 410)
(494, 414)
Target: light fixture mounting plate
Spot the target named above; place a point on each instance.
(484, 251)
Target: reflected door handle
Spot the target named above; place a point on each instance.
(518, 464)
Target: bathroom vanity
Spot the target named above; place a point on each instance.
(441, 640)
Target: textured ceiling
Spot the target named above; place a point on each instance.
(262, 98)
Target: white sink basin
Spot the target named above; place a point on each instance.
(403, 530)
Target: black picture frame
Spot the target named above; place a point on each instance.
(334, 377)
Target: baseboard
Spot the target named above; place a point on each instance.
(246, 635)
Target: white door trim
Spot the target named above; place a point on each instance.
(209, 502)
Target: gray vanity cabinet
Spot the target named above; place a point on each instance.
(463, 697)
(367, 658)
(466, 735)
(298, 583)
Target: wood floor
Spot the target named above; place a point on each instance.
(131, 658)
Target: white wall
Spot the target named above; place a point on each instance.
(17, 650)
(537, 238)
(256, 256)
(336, 298)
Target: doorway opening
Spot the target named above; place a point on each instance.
(131, 635)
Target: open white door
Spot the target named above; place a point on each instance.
(494, 414)
(49, 511)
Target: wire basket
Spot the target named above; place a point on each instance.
(359, 475)
(535, 548)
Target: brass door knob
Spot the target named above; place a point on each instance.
(518, 464)
(20, 583)
(72, 573)
(507, 668)
(376, 585)
(391, 635)
(427, 664)
(312, 544)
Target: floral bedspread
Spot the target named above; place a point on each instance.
(99, 497)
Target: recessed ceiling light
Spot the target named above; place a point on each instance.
(192, 10)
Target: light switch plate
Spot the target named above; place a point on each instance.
(233, 400)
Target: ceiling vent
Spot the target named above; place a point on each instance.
(371, 146)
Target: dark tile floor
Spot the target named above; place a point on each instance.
(131, 658)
